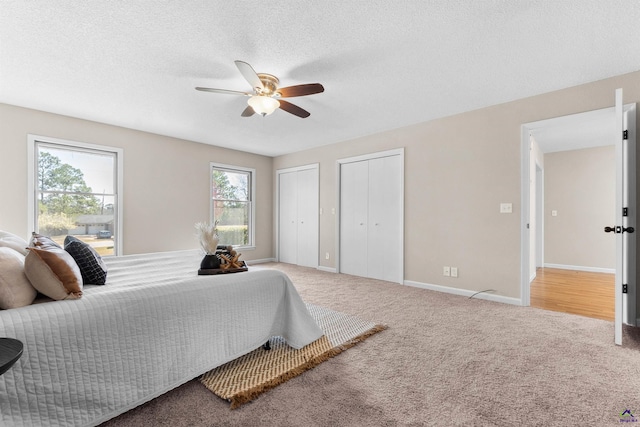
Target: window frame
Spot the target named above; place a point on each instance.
(252, 199)
(32, 170)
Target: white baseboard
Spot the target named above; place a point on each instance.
(465, 292)
(581, 268)
(265, 260)
(260, 261)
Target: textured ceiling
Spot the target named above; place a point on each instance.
(384, 63)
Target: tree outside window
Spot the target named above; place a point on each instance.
(231, 192)
(67, 200)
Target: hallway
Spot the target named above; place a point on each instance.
(575, 292)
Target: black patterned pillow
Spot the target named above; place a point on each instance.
(92, 267)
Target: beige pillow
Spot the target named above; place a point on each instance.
(15, 289)
(8, 240)
(54, 273)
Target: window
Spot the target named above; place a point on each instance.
(75, 190)
(232, 204)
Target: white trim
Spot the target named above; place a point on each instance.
(581, 268)
(363, 157)
(279, 172)
(252, 219)
(327, 269)
(376, 155)
(525, 270)
(540, 223)
(31, 184)
(336, 221)
(260, 261)
(31, 168)
(299, 168)
(465, 292)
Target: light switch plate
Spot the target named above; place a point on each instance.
(506, 207)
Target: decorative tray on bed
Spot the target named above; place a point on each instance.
(209, 271)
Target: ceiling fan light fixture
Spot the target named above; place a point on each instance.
(266, 91)
(263, 105)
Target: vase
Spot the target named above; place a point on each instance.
(210, 262)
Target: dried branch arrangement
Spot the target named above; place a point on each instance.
(208, 236)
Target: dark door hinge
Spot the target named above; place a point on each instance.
(625, 134)
(625, 211)
(625, 288)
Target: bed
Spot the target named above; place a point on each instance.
(155, 325)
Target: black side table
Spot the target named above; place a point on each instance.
(10, 352)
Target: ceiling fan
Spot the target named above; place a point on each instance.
(267, 96)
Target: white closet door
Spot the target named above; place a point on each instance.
(308, 207)
(354, 178)
(385, 260)
(288, 218)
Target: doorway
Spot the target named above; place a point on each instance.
(559, 137)
(623, 137)
(574, 259)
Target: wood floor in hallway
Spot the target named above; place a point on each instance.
(576, 292)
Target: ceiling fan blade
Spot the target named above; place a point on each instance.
(248, 112)
(293, 109)
(249, 74)
(225, 91)
(300, 90)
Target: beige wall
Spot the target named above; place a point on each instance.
(166, 180)
(580, 186)
(458, 170)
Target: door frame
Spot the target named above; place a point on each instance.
(363, 157)
(279, 172)
(526, 128)
(539, 215)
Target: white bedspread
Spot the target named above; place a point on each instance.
(154, 326)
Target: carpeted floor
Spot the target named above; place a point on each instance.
(445, 360)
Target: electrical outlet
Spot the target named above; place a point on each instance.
(454, 271)
(446, 271)
(326, 256)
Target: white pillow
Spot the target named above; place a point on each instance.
(14, 242)
(15, 289)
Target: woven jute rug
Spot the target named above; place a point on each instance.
(243, 379)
